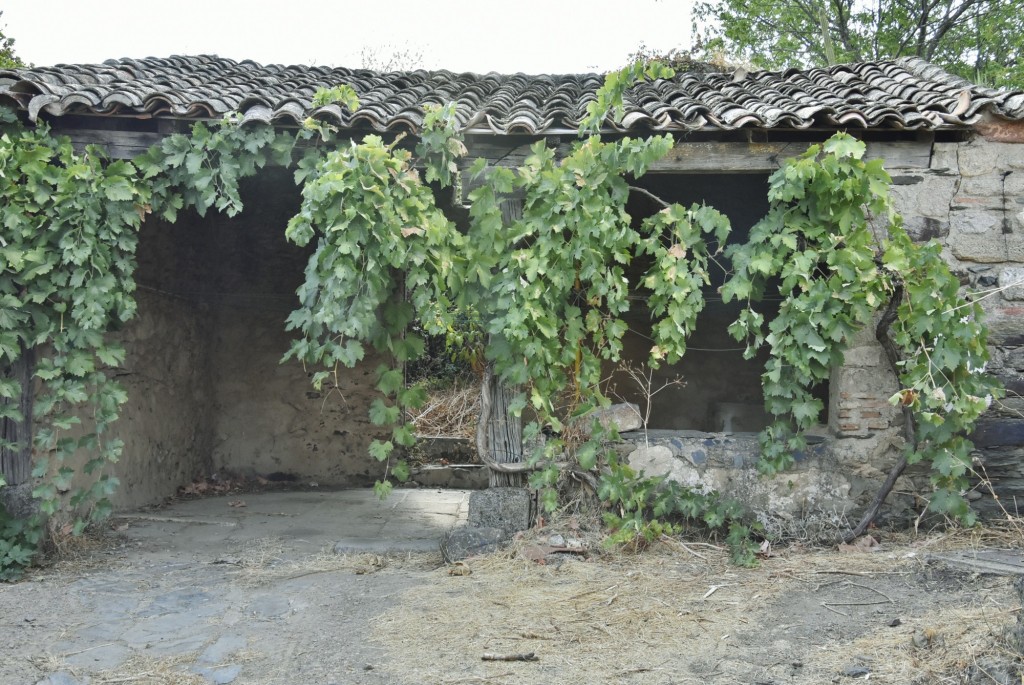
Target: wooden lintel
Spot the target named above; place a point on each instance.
(725, 158)
(118, 144)
(684, 158)
(732, 158)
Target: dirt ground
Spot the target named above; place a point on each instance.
(263, 611)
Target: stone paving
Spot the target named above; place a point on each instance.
(174, 593)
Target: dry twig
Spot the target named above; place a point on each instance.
(490, 656)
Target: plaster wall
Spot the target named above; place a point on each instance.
(266, 417)
(163, 424)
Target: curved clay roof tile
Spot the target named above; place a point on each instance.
(257, 112)
(38, 102)
(888, 94)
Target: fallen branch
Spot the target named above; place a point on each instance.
(489, 656)
(713, 590)
(478, 678)
(871, 589)
(835, 611)
(588, 592)
(682, 546)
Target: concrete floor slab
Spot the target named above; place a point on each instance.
(408, 520)
(1000, 562)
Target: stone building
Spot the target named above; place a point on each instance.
(206, 387)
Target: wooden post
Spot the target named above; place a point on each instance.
(499, 435)
(16, 461)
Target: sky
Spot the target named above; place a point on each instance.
(532, 36)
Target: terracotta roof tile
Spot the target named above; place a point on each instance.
(903, 94)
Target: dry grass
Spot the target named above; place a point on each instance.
(263, 562)
(70, 555)
(949, 643)
(681, 613)
(62, 544)
(450, 412)
(592, 622)
(137, 670)
(142, 670)
(1001, 534)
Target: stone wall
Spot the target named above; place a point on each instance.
(971, 198)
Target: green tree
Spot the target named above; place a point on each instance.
(8, 60)
(977, 39)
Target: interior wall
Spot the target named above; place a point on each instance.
(207, 391)
(722, 391)
(164, 423)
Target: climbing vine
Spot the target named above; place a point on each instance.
(553, 285)
(835, 252)
(550, 287)
(70, 229)
(70, 226)
(383, 249)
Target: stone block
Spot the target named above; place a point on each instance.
(868, 355)
(624, 417)
(658, 460)
(510, 509)
(944, 156)
(1003, 319)
(864, 382)
(978, 157)
(935, 195)
(865, 336)
(988, 186)
(18, 502)
(467, 541)
(1014, 359)
(999, 433)
(653, 461)
(986, 248)
(975, 220)
(1015, 241)
(1012, 280)
(921, 228)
